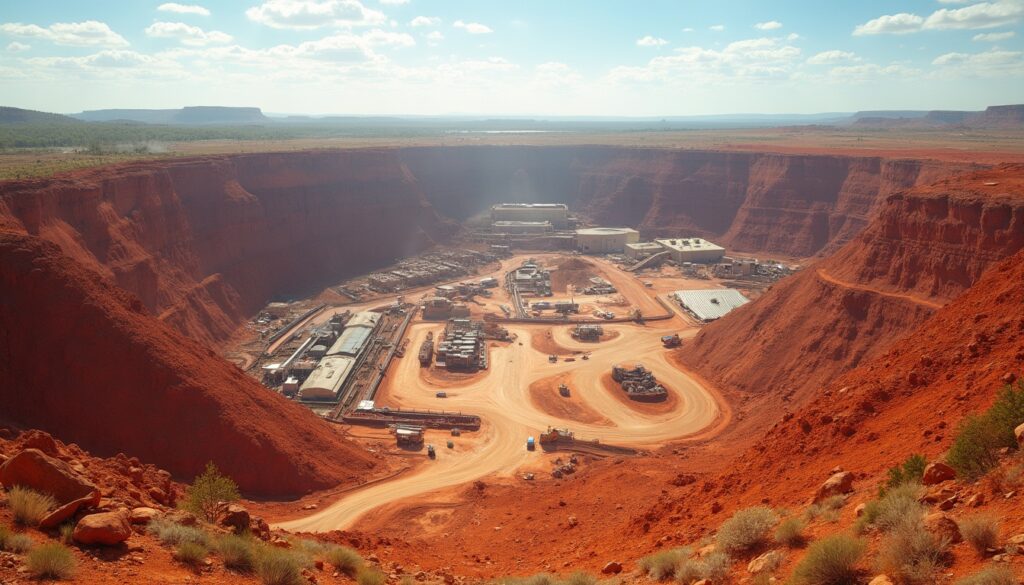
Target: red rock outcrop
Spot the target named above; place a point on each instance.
(82, 358)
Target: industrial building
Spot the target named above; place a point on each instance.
(555, 213)
(640, 250)
(692, 250)
(605, 240)
(523, 227)
(327, 379)
(462, 346)
(710, 304)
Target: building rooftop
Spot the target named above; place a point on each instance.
(603, 231)
(512, 223)
(351, 342)
(711, 304)
(530, 206)
(330, 374)
(364, 319)
(644, 246)
(687, 244)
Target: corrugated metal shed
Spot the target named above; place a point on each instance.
(364, 319)
(711, 304)
(326, 380)
(351, 341)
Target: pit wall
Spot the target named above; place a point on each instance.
(204, 243)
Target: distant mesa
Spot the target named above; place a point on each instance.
(10, 116)
(993, 118)
(192, 115)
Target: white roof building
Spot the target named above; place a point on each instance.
(710, 304)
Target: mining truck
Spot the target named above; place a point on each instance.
(670, 341)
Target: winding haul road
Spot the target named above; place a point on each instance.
(501, 397)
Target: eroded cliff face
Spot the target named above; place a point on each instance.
(925, 247)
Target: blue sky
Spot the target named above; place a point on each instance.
(569, 57)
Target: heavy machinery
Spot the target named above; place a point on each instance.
(670, 341)
(431, 452)
(639, 383)
(553, 358)
(553, 435)
(563, 390)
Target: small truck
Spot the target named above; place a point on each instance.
(530, 444)
(431, 452)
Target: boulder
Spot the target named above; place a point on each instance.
(105, 528)
(143, 515)
(234, 517)
(859, 510)
(881, 580)
(34, 469)
(1019, 433)
(938, 472)
(839, 484)
(943, 526)
(759, 564)
(612, 568)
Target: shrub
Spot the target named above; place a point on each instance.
(5, 533)
(208, 490)
(910, 471)
(746, 529)
(67, 532)
(975, 449)
(190, 553)
(344, 559)
(50, 561)
(981, 531)
(19, 543)
(29, 506)
(911, 553)
(662, 565)
(238, 552)
(371, 576)
(896, 507)
(171, 533)
(831, 561)
(827, 509)
(581, 578)
(790, 532)
(713, 566)
(538, 579)
(992, 575)
(278, 567)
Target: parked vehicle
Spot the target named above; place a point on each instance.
(431, 452)
(442, 395)
(530, 444)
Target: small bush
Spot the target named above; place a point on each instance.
(190, 553)
(19, 543)
(371, 576)
(662, 565)
(746, 529)
(29, 506)
(992, 575)
(910, 471)
(208, 490)
(981, 531)
(713, 566)
(790, 532)
(831, 561)
(278, 567)
(896, 507)
(580, 578)
(170, 533)
(5, 533)
(827, 509)
(911, 553)
(50, 561)
(67, 532)
(344, 559)
(238, 552)
(975, 449)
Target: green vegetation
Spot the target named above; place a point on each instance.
(344, 559)
(19, 543)
(278, 567)
(975, 450)
(208, 490)
(828, 509)
(910, 471)
(67, 532)
(746, 529)
(370, 576)
(580, 578)
(831, 561)
(50, 561)
(191, 553)
(171, 533)
(899, 505)
(981, 531)
(991, 575)
(911, 554)
(29, 506)
(713, 566)
(790, 532)
(662, 565)
(238, 552)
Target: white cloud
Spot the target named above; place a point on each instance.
(381, 38)
(830, 57)
(869, 72)
(554, 73)
(717, 27)
(994, 37)
(312, 14)
(473, 28)
(792, 37)
(649, 41)
(896, 24)
(425, 21)
(394, 2)
(183, 8)
(987, 64)
(770, 25)
(746, 60)
(688, 29)
(435, 36)
(75, 34)
(192, 36)
(16, 47)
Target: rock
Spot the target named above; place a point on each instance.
(839, 484)
(573, 521)
(947, 504)
(106, 528)
(182, 517)
(938, 472)
(1018, 539)
(881, 580)
(34, 469)
(759, 564)
(859, 510)
(279, 542)
(943, 526)
(702, 582)
(234, 517)
(706, 550)
(612, 568)
(1019, 433)
(143, 515)
(976, 500)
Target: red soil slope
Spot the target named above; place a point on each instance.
(926, 246)
(82, 359)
